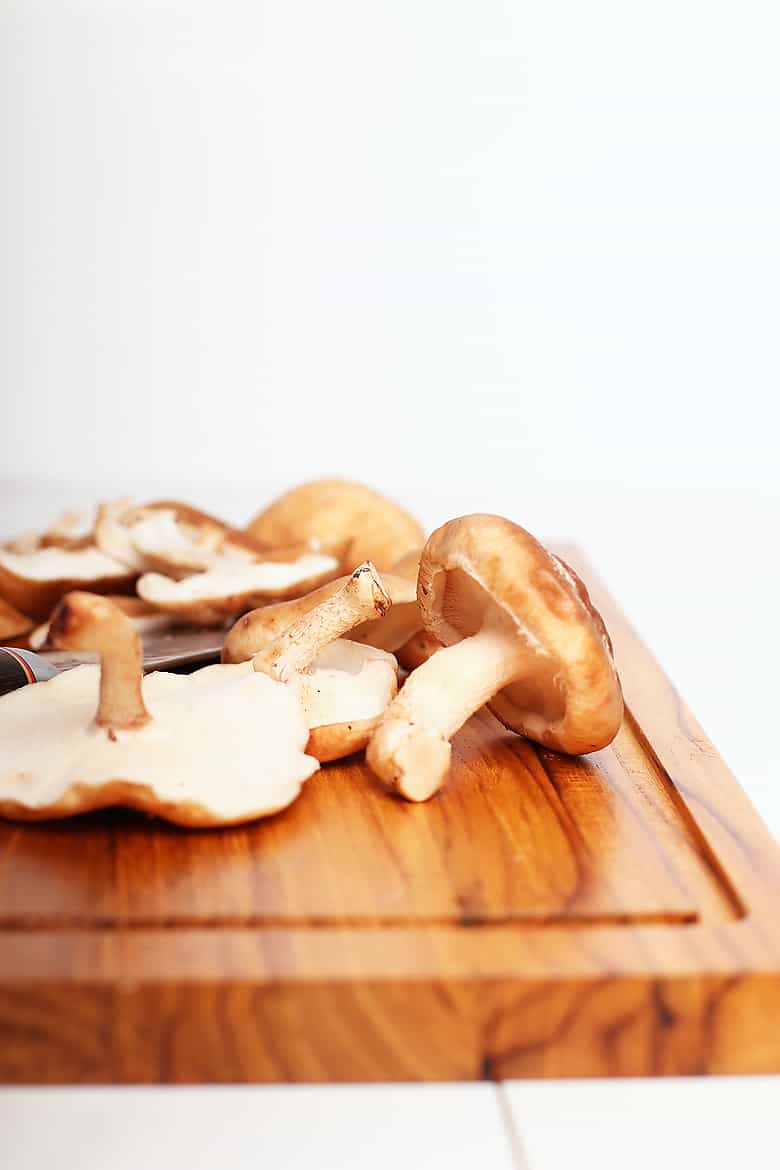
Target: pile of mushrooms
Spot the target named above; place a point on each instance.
(350, 632)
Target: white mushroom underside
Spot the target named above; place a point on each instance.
(345, 683)
(264, 577)
(225, 739)
(161, 533)
(59, 564)
(75, 525)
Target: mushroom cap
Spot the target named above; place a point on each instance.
(71, 529)
(343, 694)
(236, 540)
(408, 565)
(34, 582)
(212, 597)
(171, 537)
(335, 510)
(480, 567)
(224, 745)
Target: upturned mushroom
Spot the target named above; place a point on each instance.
(519, 633)
(73, 528)
(170, 537)
(215, 596)
(220, 746)
(333, 511)
(34, 582)
(342, 686)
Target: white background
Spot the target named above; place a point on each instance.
(533, 243)
(485, 255)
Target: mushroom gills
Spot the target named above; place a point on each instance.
(223, 745)
(219, 746)
(346, 682)
(260, 577)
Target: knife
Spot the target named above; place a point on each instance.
(175, 648)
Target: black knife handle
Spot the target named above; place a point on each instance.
(20, 667)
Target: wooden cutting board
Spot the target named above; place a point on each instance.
(543, 916)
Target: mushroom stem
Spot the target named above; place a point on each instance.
(361, 598)
(391, 631)
(410, 750)
(84, 621)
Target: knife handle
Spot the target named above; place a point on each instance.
(20, 667)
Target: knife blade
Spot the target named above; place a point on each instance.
(172, 649)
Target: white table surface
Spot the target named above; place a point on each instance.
(699, 575)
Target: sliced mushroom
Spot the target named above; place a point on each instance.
(25, 543)
(72, 529)
(519, 632)
(342, 686)
(172, 538)
(213, 597)
(34, 582)
(220, 746)
(334, 511)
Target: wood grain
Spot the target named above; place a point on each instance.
(543, 916)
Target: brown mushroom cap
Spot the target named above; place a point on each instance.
(335, 510)
(518, 632)
(481, 566)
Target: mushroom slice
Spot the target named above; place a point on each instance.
(72, 529)
(220, 746)
(27, 542)
(172, 538)
(34, 582)
(255, 630)
(342, 686)
(221, 593)
(343, 693)
(333, 511)
(519, 632)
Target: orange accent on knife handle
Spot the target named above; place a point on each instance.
(20, 667)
